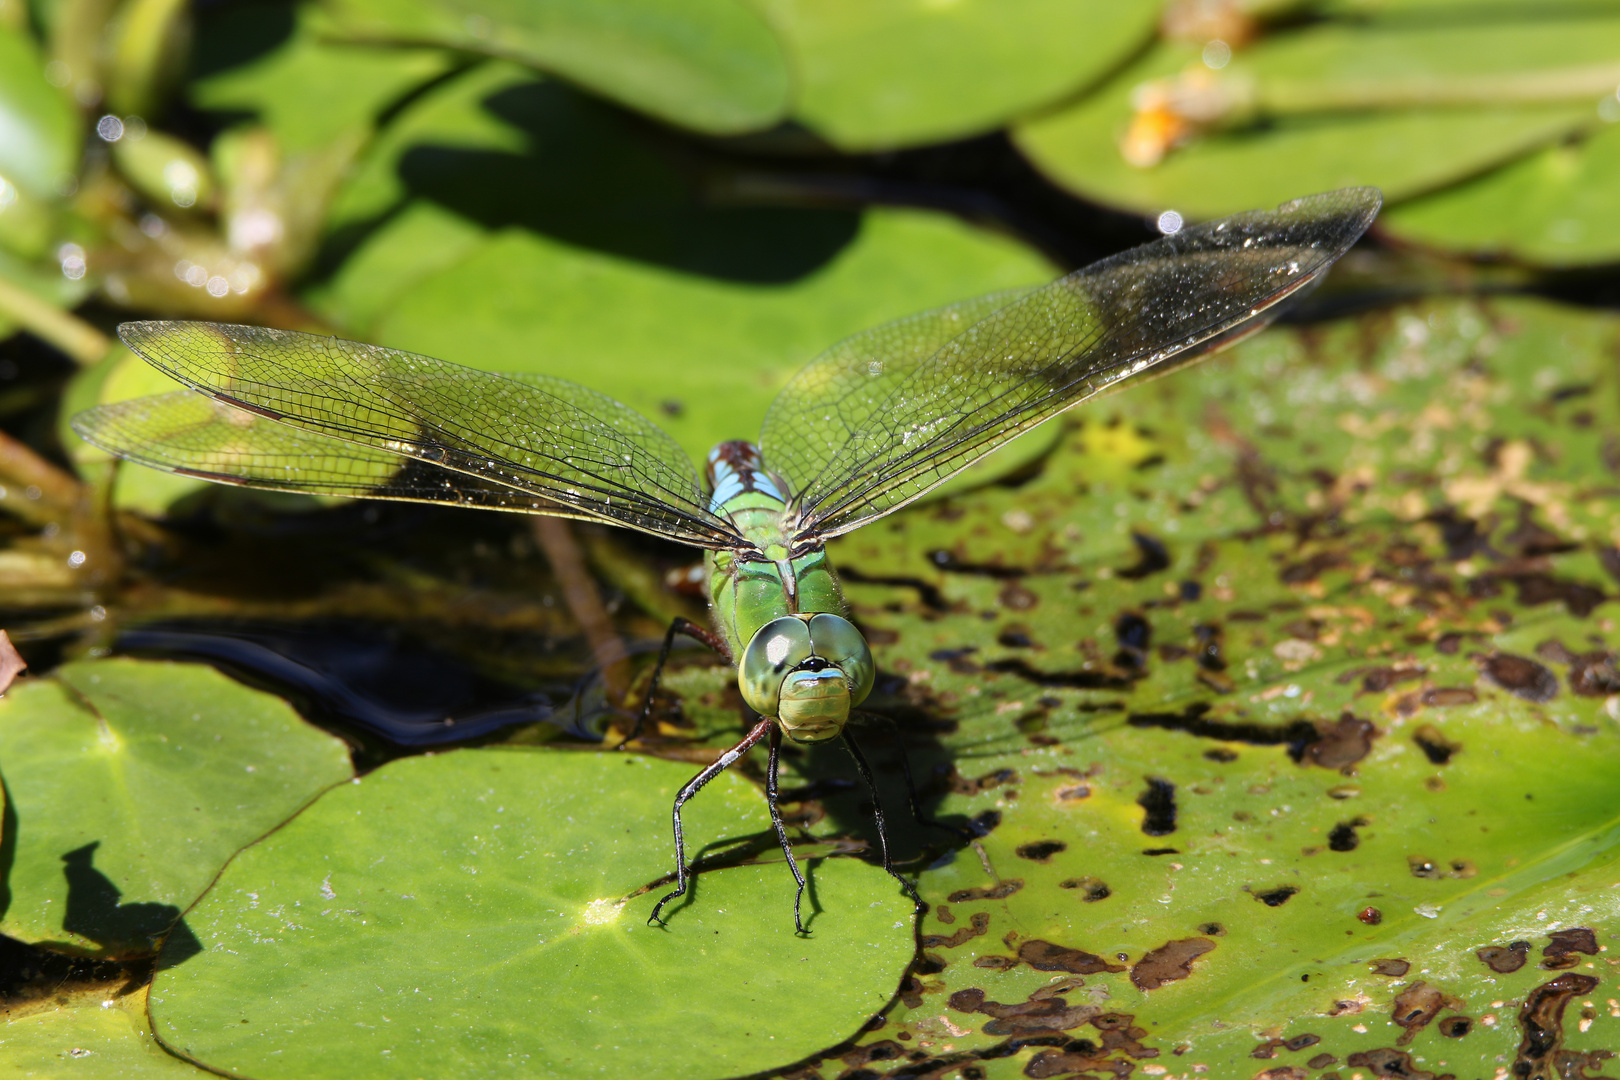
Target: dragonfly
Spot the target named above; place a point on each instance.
(872, 424)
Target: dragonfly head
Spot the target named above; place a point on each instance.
(808, 671)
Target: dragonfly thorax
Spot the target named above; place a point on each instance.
(808, 671)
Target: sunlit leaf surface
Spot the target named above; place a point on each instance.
(1280, 769)
(478, 911)
(130, 783)
(875, 74)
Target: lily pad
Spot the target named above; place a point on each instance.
(88, 1036)
(1325, 109)
(1286, 691)
(891, 73)
(1553, 207)
(307, 90)
(449, 913)
(130, 784)
(709, 65)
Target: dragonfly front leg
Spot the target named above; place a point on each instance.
(695, 785)
(877, 812)
(680, 625)
(776, 823)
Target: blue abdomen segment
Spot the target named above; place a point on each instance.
(738, 480)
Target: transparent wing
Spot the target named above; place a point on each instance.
(882, 418)
(191, 434)
(352, 412)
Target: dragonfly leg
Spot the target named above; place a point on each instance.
(680, 625)
(877, 812)
(923, 819)
(776, 823)
(693, 786)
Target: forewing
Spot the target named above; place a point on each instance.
(191, 434)
(814, 418)
(569, 450)
(879, 421)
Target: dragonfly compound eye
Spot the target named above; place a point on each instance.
(808, 672)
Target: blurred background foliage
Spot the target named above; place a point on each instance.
(677, 202)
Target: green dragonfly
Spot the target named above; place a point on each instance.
(869, 426)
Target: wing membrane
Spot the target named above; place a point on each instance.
(881, 419)
(356, 414)
(190, 434)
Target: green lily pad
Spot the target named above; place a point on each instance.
(448, 913)
(307, 90)
(131, 784)
(1272, 777)
(894, 73)
(1554, 207)
(88, 1036)
(709, 65)
(39, 127)
(1321, 92)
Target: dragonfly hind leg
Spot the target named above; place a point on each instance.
(680, 625)
(695, 785)
(877, 812)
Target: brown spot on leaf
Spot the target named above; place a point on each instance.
(1282, 1072)
(1563, 946)
(1520, 676)
(1391, 1063)
(1322, 1061)
(1158, 801)
(977, 927)
(1016, 597)
(1434, 744)
(1417, 1006)
(1015, 636)
(1343, 835)
(1342, 743)
(1094, 888)
(1393, 968)
(1441, 696)
(1541, 1018)
(1455, 1027)
(1276, 897)
(1375, 680)
(1043, 1012)
(1170, 962)
(995, 963)
(1502, 961)
(1041, 850)
(1045, 956)
(999, 891)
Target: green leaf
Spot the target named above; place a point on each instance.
(709, 65)
(1554, 207)
(450, 912)
(1353, 699)
(39, 128)
(94, 1036)
(132, 783)
(886, 73)
(308, 90)
(1408, 104)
